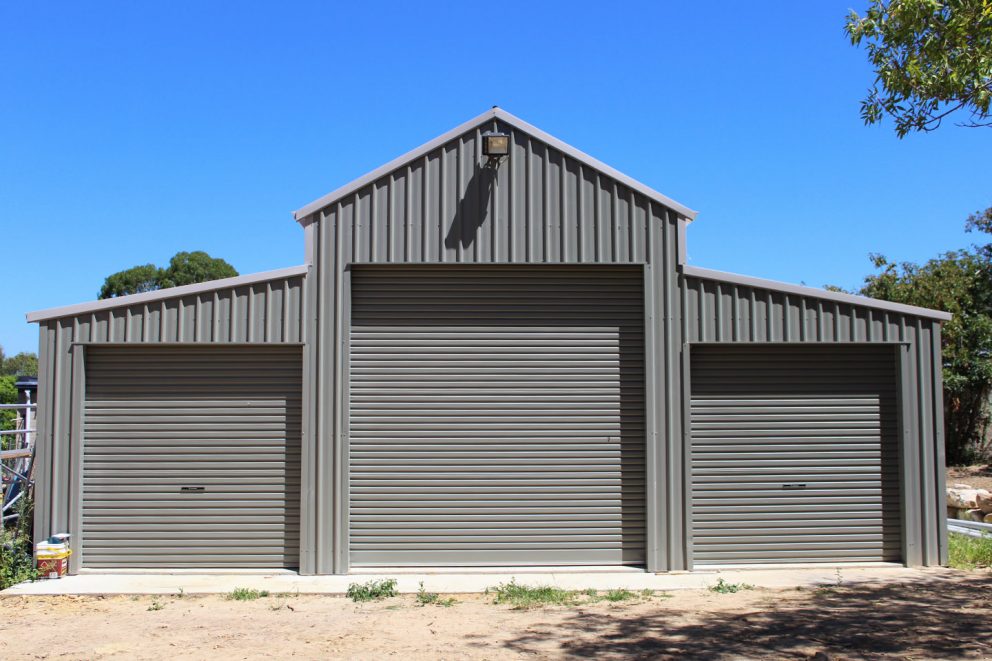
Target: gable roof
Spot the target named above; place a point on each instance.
(515, 122)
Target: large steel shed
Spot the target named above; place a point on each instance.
(491, 360)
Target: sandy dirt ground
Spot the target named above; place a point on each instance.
(979, 477)
(944, 619)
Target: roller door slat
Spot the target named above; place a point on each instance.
(794, 454)
(160, 424)
(496, 417)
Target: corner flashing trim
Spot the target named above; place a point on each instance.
(495, 113)
(164, 294)
(850, 299)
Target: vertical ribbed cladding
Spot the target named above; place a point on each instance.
(666, 497)
(717, 311)
(52, 498)
(541, 206)
(261, 312)
(450, 206)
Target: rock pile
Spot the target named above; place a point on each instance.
(969, 504)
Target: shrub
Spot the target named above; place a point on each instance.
(16, 559)
(16, 548)
(425, 598)
(372, 590)
(723, 587)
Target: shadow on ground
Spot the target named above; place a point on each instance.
(942, 619)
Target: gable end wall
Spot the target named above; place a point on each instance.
(545, 208)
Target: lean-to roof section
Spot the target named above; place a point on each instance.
(165, 294)
(813, 292)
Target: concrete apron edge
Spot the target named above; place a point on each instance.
(201, 584)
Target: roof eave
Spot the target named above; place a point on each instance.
(494, 113)
(164, 294)
(813, 292)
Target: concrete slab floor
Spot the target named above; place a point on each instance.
(465, 582)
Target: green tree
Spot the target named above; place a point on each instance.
(932, 58)
(135, 280)
(185, 268)
(959, 282)
(8, 395)
(22, 364)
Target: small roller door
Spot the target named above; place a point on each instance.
(497, 416)
(794, 454)
(191, 457)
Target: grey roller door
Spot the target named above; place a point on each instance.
(496, 416)
(794, 454)
(191, 457)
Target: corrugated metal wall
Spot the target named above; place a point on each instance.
(497, 416)
(546, 208)
(262, 312)
(191, 457)
(795, 453)
(716, 312)
(539, 206)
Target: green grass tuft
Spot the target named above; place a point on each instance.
(247, 594)
(723, 587)
(619, 594)
(372, 590)
(527, 596)
(967, 552)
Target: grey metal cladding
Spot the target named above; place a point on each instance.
(266, 312)
(716, 312)
(150, 299)
(190, 457)
(263, 312)
(444, 225)
(795, 454)
(540, 205)
(497, 416)
(826, 296)
(503, 118)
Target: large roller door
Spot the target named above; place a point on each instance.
(191, 457)
(794, 454)
(496, 416)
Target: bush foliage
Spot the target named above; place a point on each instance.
(959, 282)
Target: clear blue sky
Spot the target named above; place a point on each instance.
(133, 130)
